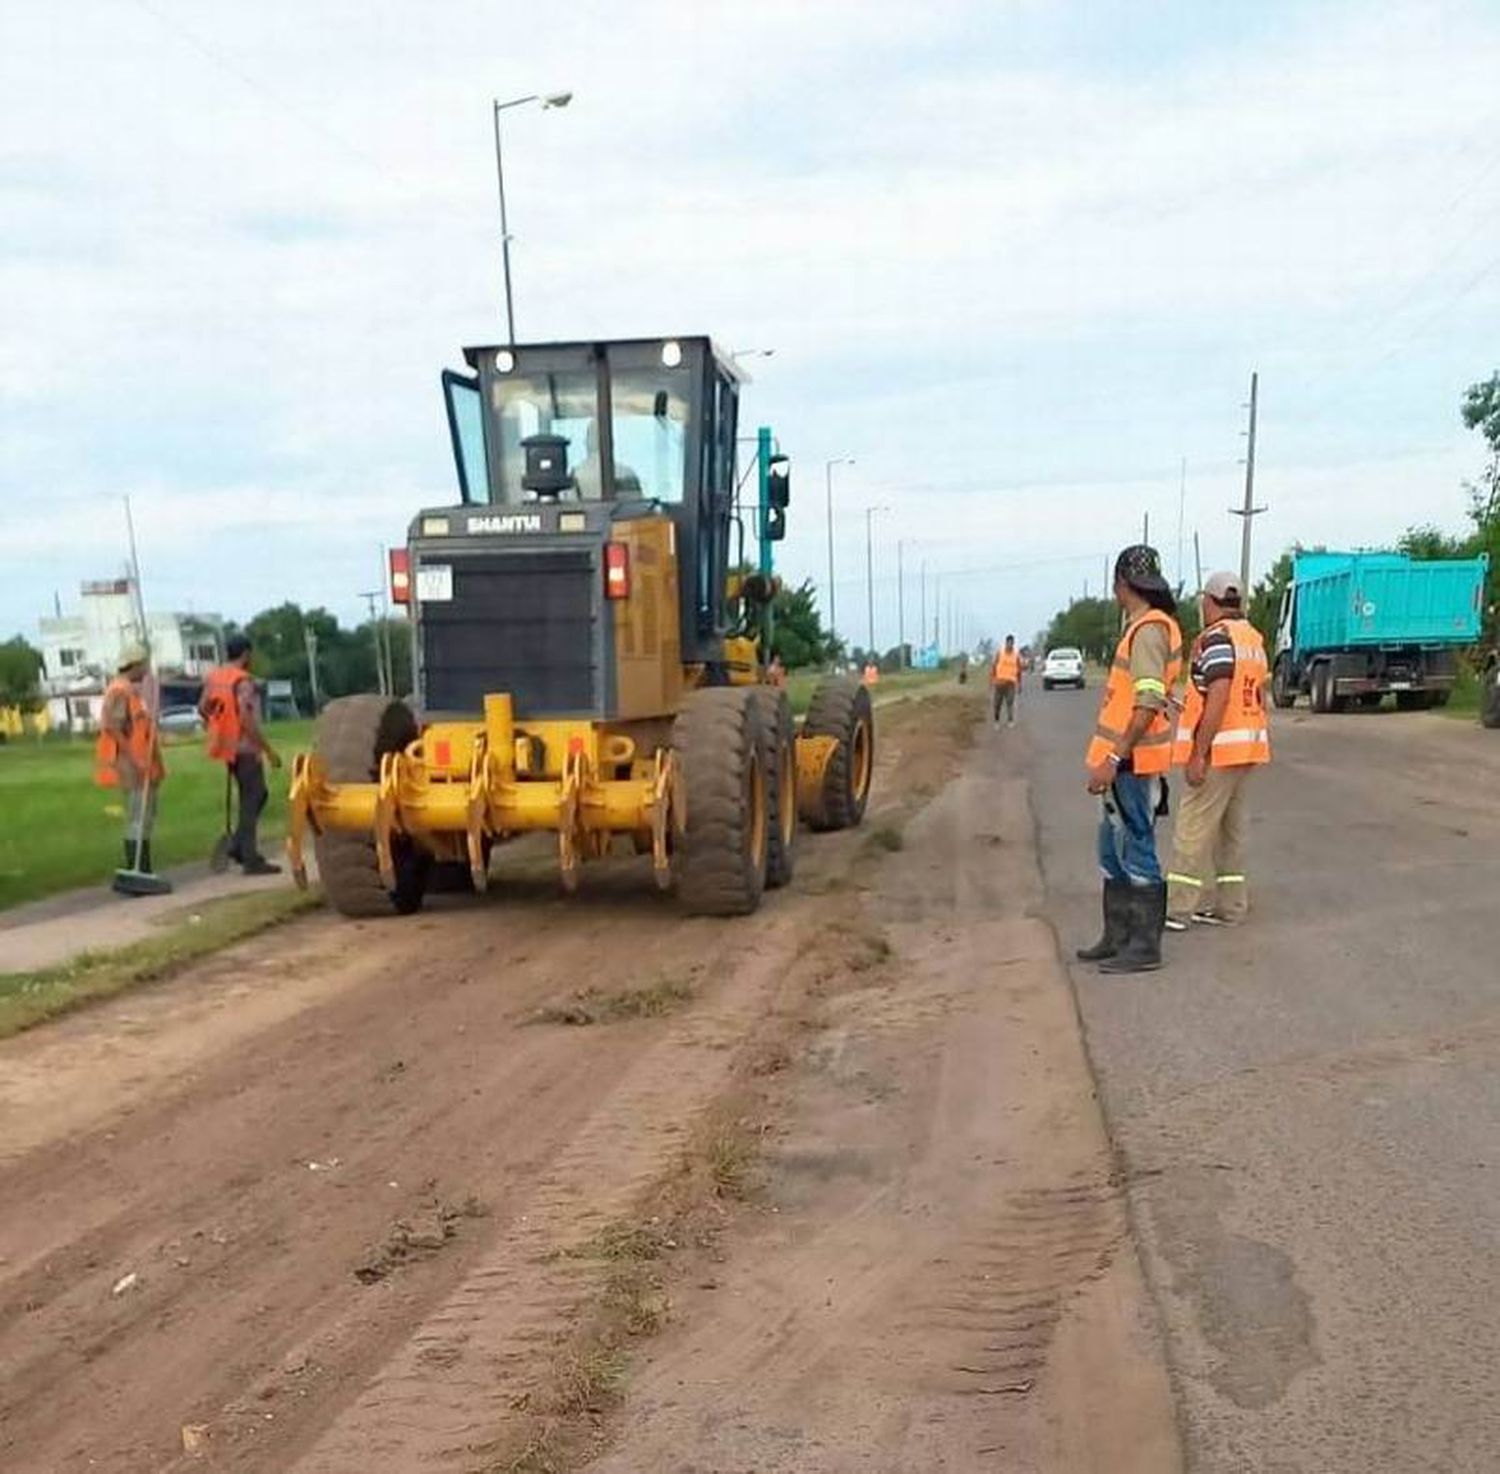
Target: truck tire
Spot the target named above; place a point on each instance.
(1489, 699)
(781, 785)
(720, 747)
(1413, 700)
(841, 709)
(1283, 691)
(352, 735)
(1322, 687)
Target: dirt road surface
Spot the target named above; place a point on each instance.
(1308, 1108)
(326, 1203)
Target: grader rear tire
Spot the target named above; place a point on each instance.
(781, 785)
(721, 857)
(351, 737)
(841, 709)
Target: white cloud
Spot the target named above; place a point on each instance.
(239, 242)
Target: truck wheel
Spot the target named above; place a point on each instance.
(781, 784)
(1413, 700)
(1283, 692)
(351, 737)
(721, 857)
(1322, 688)
(1489, 702)
(841, 709)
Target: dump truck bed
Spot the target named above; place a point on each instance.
(1353, 600)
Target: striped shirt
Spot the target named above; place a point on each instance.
(1213, 659)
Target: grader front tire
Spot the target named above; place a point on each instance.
(720, 747)
(841, 710)
(351, 737)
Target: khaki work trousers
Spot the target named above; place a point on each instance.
(1208, 860)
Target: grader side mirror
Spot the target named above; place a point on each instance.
(779, 483)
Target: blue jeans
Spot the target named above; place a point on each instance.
(1127, 830)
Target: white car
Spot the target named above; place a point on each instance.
(1063, 667)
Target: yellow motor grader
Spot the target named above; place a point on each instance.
(590, 654)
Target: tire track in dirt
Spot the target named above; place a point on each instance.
(194, 1111)
(941, 1277)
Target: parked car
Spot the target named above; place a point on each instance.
(180, 719)
(1063, 667)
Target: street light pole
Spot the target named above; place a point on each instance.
(900, 605)
(828, 472)
(554, 99)
(870, 567)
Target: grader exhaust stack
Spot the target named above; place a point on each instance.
(590, 660)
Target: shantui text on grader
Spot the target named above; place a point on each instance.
(590, 657)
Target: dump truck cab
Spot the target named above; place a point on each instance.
(589, 649)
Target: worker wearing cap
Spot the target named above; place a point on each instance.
(230, 707)
(1221, 739)
(1128, 760)
(127, 756)
(1005, 680)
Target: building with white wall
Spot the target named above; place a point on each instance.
(81, 651)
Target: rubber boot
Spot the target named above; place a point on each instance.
(1148, 918)
(1116, 922)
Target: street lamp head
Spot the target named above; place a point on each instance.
(557, 99)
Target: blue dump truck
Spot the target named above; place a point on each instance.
(1354, 626)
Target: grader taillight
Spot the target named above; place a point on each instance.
(616, 571)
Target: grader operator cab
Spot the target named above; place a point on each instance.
(589, 659)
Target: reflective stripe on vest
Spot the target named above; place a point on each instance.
(137, 741)
(1153, 752)
(221, 711)
(1242, 739)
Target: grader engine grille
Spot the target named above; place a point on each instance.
(523, 622)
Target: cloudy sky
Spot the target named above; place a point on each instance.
(1018, 258)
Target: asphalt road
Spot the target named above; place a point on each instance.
(1308, 1108)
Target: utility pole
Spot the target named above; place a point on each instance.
(310, 640)
(900, 605)
(372, 602)
(870, 568)
(1181, 513)
(1249, 510)
(1198, 561)
(1146, 528)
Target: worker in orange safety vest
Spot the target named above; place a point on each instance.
(127, 756)
(1005, 681)
(1128, 759)
(230, 707)
(1222, 737)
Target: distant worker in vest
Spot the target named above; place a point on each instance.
(1005, 680)
(231, 709)
(1222, 738)
(127, 756)
(1128, 760)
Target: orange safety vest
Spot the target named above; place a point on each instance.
(1153, 753)
(137, 741)
(1242, 739)
(1007, 667)
(221, 711)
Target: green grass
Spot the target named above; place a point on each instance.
(56, 829)
(801, 684)
(28, 998)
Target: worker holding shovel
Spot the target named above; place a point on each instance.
(231, 711)
(127, 756)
